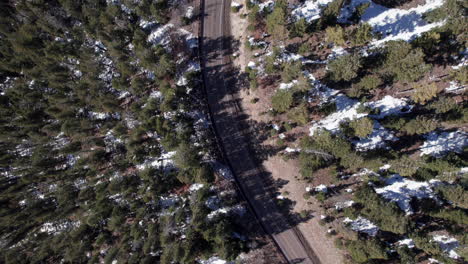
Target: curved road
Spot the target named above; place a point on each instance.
(227, 117)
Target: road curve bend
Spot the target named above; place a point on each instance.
(226, 116)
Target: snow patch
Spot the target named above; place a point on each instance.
(401, 190)
(376, 139)
(394, 23)
(438, 145)
(363, 225)
(448, 245)
(390, 106)
(310, 10)
(406, 242)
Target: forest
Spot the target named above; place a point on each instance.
(106, 154)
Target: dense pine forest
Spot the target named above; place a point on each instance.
(106, 155)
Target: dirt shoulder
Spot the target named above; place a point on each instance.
(281, 170)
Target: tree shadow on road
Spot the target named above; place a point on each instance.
(241, 140)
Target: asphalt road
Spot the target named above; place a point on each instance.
(232, 134)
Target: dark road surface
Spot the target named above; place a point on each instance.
(227, 116)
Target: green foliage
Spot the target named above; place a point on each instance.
(345, 68)
(361, 127)
(299, 114)
(359, 11)
(336, 35)
(424, 92)
(443, 105)
(363, 251)
(407, 256)
(405, 166)
(460, 75)
(277, 20)
(299, 29)
(456, 194)
(457, 216)
(291, 71)
(423, 242)
(330, 13)
(403, 63)
(369, 82)
(361, 35)
(282, 100)
(385, 214)
(419, 125)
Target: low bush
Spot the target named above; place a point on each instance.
(423, 92)
(345, 68)
(419, 125)
(336, 35)
(363, 251)
(361, 35)
(387, 215)
(369, 82)
(299, 114)
(403, 63)
(456, 194)
(282, 100)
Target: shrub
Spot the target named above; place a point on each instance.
(345, 68)
(364, 250)
(282, 100)
(460, 75)
(361, 35)
(419, 125)
(336, 35)
(403, 63)
(321, 197)
(330, 13)
(186, 156)
(443, 105)
(338, 242)
(306, 195)
(393, 122)
(423, 242)
(360, 9)
(457, 216)
(362, 127)
(303, 84)
(276, 21)
(424, 92)
(405, 166)
(299, 28)
(428, 42)
(291, 71)
(299, 115)
(328, 108)
(407, 256)
(387, 215)
(304, 48)
(310, 163)
(236, 8)
(455, 194)
(369, 82)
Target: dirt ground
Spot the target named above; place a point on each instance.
(315, 234)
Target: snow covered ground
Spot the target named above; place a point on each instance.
(402, 190)
(394, 23)
(214, 260)
(448, 245)
(438, 144)
(310, 10)
(363, 225)
(406, 242)
(376, 139)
